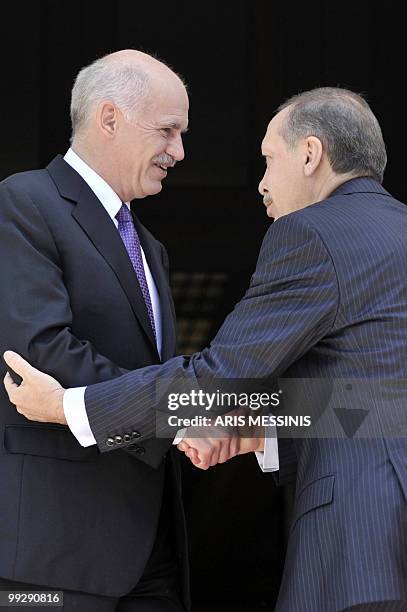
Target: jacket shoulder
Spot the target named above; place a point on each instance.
(27, 181)
(349, 207)
(31, 182)
(34, 186)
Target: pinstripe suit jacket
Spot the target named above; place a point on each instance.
(328, 299)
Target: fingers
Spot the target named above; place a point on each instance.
(225, 449)
(9, 383)
(10, 386)
(189, 451)
(198, 451)
(228, 449)
(208, 452)
(192, 454)
(183, 446)
(19, 365)
(213, 459)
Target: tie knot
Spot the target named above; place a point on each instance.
(124, 215)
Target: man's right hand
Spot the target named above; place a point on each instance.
(205, 452)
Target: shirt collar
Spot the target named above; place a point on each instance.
(105, 194)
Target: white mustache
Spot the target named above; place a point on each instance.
(267, 200)
(164, 160)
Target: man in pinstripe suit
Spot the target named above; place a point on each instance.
(328, 300)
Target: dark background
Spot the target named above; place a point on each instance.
(241, 59)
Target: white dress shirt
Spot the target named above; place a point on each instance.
(268, 459)
(74, 399)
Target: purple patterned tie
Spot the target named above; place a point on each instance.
(129, 235)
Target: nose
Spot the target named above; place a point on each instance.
(176, 148)
(262, 187)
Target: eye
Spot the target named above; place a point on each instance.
(166, 131)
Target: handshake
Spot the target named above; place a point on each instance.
(40, 398)
(208, 446)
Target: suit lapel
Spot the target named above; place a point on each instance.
(158, 272)
(98, 226)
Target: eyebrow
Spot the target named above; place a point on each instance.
(175, 125)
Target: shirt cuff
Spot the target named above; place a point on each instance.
(268, 459)
(180, 436)
(76, 417)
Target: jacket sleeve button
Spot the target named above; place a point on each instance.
(110, 442)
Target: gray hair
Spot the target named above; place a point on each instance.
(122, 82)
(344, 123)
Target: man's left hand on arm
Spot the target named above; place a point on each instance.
(39, 397)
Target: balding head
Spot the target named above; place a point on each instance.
(129, 112)
(126, 78)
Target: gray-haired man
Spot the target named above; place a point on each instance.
(85, 297)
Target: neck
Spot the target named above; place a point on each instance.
(89, 154)
(329, 183)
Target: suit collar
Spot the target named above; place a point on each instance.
(363, 184)
(102, 190)
(68, 182)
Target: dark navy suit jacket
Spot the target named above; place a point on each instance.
(328, 300)
(71, 517)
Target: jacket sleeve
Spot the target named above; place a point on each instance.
(290, 305)
(35, 314)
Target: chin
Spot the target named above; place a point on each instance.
(152, 189)
(156, 188)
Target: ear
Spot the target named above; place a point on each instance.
(313, 154)
(107, 118)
